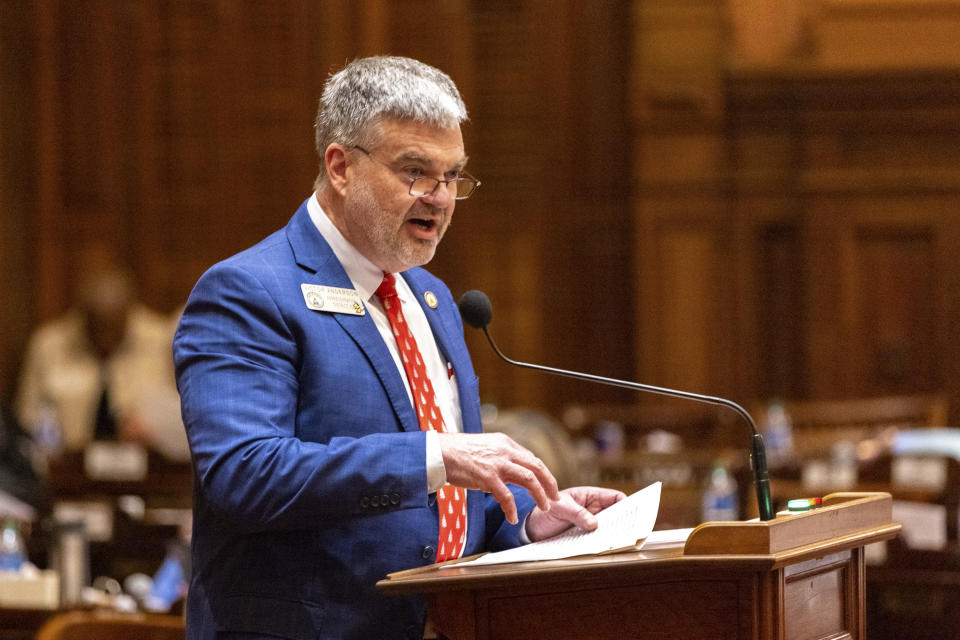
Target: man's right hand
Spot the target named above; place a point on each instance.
(488, 461)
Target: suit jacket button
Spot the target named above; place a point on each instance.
(395, 499)
(374, 501)
(384, 500)
(428, 553)
(364, 502)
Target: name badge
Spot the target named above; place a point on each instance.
(332, 299)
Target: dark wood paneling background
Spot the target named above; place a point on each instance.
(672, 192)
(796, 202)
(173, 134)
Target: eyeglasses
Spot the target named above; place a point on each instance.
(461, 187)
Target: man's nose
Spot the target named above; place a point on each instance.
(442, 195)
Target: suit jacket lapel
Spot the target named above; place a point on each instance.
(313, 253)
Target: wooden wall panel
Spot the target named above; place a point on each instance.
(895, 300)
(862, 162)
(496, 230)
(770, 295)
(154, 117)
(762, 32)
(869, 34)
(549, 224)
(175, 134)
(888, 274)
(17, 175)
(166, 134)
(688, 292)
(677, 55)
(687, 277)
(620, 149)
(688, 286)
(774, 343)
(828, 166)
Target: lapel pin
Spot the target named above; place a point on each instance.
(431, 299)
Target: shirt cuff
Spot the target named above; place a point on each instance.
(524, 538)
(436, 472)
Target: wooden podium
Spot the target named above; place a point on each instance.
(797, 576)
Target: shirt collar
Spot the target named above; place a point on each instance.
(364, 275)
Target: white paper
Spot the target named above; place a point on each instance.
(666, 538)
(620, 525)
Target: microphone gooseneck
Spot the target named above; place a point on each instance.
(476, 310)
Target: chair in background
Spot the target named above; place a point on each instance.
(110, 625)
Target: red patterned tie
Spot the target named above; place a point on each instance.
(451, 500)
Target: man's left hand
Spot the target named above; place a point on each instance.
(576, 507)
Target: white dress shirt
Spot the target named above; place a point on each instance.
(366, 277)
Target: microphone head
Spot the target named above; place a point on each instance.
(475, 308)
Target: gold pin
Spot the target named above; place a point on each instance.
(431, 299)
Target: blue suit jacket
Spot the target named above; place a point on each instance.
(310, 464)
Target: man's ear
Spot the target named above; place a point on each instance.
(335, 159)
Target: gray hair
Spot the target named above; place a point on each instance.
(366, 91)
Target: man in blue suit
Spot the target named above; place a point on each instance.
(313, 476)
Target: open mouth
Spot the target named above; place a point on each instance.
(423, 223)
(424, 227)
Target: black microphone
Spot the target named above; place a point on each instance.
(476, 310)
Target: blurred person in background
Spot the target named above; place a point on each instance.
(102, 371)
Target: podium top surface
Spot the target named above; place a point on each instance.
(845, 521)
